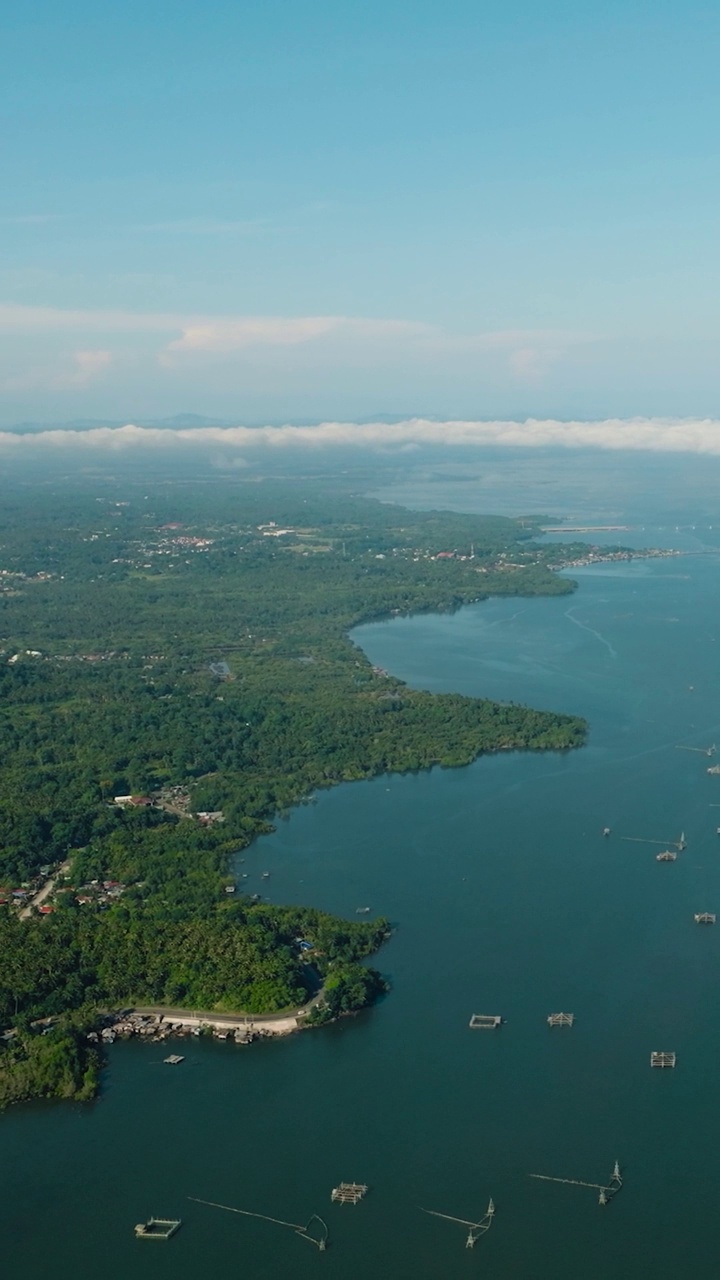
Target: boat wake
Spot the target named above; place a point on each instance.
(583, 625)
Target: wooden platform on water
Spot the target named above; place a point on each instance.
(668, 855)
(485, 1021)
(348, 1192)
(705, 917)
(174, 1059)
(561, 1019)
(662, 1059)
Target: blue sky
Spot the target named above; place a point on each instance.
(311, 209)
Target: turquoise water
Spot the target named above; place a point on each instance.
(508, 900)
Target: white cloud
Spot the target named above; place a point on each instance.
(223, 336)
(87, 365)
(687, 435)
(524, 353)
(199, 332)
(233, 335)
(84, 367)
(16, 318)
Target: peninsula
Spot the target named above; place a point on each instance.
(175, 668)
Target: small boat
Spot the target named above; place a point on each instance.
(157, 1228)
(265, 875)
(362, 911)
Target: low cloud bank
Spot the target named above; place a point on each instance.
(663, 435)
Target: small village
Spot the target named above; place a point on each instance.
(40, 893)
(157, 1028)
(173, 799)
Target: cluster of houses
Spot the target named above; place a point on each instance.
(99, 892)
(174, 799)
(171, 546)
(156, 1027)
(23, 896)
(108, 656)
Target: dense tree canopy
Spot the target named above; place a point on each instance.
(187, 638)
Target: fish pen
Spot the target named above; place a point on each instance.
(476, 1229)
(662, 1059)
(304, 1232)
(157, 1228)
(485, 1021)
(606, 1191)
(561, 1019)
(348, 1192)
(680, 844)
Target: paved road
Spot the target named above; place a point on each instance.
(45, 892)
(224, 1019)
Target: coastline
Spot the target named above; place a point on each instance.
(156, 1022)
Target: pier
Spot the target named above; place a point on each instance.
(586, 528)
(348, 1192)
(662, 1059)
(561, 1019)
(485, 1021)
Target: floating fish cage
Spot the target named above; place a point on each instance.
(348, 1192)
(157, 1228)
(485, 1021)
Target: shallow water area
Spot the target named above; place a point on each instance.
(508, 900)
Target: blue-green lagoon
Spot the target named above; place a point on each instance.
(507, 900)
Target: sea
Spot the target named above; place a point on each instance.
(507, 899)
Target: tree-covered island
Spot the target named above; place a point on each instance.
(176, 667)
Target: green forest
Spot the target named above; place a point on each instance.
(193, 641)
